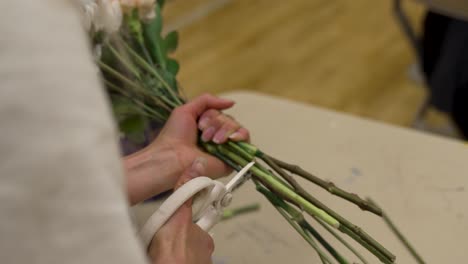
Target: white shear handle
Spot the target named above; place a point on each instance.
(203, 208)
(174, 201)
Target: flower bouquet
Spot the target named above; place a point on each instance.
(140, 77)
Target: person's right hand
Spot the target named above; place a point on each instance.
(180, 240)
(157, 167)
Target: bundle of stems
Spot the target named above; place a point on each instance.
(141, 80)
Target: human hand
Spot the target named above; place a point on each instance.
(155, 169)
(180, 131)
(180, 240)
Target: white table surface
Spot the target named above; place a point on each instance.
(420, 180)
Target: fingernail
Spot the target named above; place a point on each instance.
(235, 135)
(219, 137)
(208, 134)
(198, 167)
(203, 123)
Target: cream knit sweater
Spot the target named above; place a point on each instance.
(62, 197)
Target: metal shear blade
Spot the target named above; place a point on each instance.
(240, 178)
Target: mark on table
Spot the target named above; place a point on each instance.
(264, 236)
(456, 189)
(355, 175)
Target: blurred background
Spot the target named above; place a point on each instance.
(349, 56)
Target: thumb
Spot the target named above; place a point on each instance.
(184, 213)
(179, 224)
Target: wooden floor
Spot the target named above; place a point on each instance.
(345, 55)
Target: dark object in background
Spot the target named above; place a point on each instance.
(445, 65)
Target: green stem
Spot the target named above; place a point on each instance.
(239, 150)
(230, 213)
(283, 174)
(324, 243)
(400, 235)
(135, 86)
(350, 227)
(344, 242)
(234, 147)
(279, 187)
(328, 186)
(210, 148)
(155, 73)
(154, 114)
(251, 149)
(120, 76)
(145, 52)
(299, 218)
(124, 62)
(367, 245)
(291, 220)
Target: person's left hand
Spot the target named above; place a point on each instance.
(156, 168)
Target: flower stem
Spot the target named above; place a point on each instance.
(214, 151)
(239, 150)
(279, 187)
(230, 213)
(146, 109)
(367, 245)
(299, 218)
(329, 186)
(292, 220)
(400, 236)
(369, 241)
(344, 242)
(324, 243)
(137, 88)
(126, 63)
(154, 72)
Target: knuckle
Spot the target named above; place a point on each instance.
(233, 126)
(211, 113)
(224, 118)
(245, 134)
(219, 120)
(206, 96)
(214, 122)
(231, 123)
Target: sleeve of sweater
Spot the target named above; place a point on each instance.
(62, 197)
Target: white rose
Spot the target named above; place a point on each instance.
(145, 7)
(109, 15)
(102, 14)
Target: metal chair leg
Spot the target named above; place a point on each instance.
(413, 39)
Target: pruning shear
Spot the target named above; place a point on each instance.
(210, 199)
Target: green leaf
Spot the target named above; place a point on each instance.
(171, 41)
(161, 3)
(154, 42)
(134, 128)
(135, 124)
(122, 107)
(170, 79)
(172, 66)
